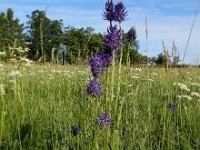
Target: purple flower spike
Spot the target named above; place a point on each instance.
(105, 121)
(172, 106)
(131, 35)
(97, 66)
(99, 63)
(112, 39)
(106, 59)
(76, 130)
(109, 13)
(120, 13)
(94, 88)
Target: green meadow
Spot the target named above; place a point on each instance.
(154, 109)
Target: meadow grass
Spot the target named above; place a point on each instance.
(40, 104)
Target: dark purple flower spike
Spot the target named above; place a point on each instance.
(120, 12)
(109, 13)
(94, 88)
(131, 35)
(105, 121)
(112, 39)
(75, 130)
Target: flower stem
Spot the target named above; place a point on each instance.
(105, 144)
(119, 73)
(2, 118)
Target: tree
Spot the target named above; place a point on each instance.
(134, 54)
(11, 31)
(82, 43)
(160, 59)
(43, 35)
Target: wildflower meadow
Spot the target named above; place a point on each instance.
(48, 107)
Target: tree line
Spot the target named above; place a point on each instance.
(48, 40)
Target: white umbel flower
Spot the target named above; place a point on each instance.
(20, 49)
(185, 97)
(138, 69)
(15, 73)
(150, 80)
(2, 53)
(195, 84)
(195, 94)
(155, 74)
(135, 77)
(182, 86)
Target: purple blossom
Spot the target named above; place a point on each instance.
(112, 39)
(105, 121)
(106, 59)
(99, 63)
(131, 35)
(172, 106)
(94, 88)
(96, 65)
(120, 13)
(109, 13)
(75, 130)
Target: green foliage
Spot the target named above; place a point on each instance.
(82, 43)
(39, 108)
(160, 59)
(11, 32)
(43, 35)
(134, 54)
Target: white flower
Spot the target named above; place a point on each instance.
(2, 53)
(130, 93)
(13, 60)
(155, 74)
(1, 65)
(130, 85)
(26, 49)
(138, 69)
(20, 49)
(184, 97)
(182, 86)
(187, 97)
(11, 48)
(150, 80)
(195, 94)
(26, 60)
(195, 84)
(15, 73)
(135, 77)
(28, 64)
(2, 89)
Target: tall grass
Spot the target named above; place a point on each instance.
(41, 105)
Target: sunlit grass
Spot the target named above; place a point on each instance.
(40, 104)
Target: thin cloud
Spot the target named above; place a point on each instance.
(165, 21)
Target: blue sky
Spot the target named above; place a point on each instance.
(168, 20)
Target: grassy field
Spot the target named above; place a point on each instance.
(40, 105)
